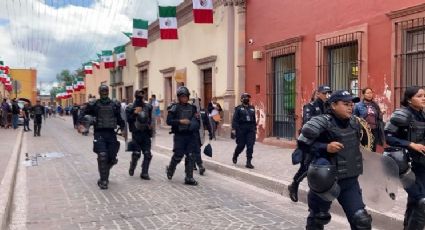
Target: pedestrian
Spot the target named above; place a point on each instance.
(37, 111)
(334, 140)
(368, 110)
(406, 129)
(314, 108)
(5, 109)
(105, 144)
(15, 113)
(184, 124)
(26, 112)
(156, 110)
(214, 110)
(75, 110)
(140, 123)
(44, 111)
(244, 128)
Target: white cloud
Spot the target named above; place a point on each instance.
(63, 36)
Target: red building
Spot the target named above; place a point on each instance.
(294, 46)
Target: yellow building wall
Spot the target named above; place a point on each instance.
(93, 81)
(27, 84)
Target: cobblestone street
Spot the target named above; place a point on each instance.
(61, 193)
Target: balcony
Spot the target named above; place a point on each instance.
(116, 77)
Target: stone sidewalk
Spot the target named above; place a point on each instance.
(273, 171)
(7, 142)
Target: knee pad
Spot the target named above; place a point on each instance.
(102, 156)
(322, 218)
(147, 154)
(362, 220)
(136, 154)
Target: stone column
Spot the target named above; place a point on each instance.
(241, 44)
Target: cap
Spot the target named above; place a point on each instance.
(324, 89)
(342, 95)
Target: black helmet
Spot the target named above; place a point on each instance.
(182, 91)
(103, 88)
(137, 92)
(245, 96)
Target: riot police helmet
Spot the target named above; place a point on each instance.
(183, 91)
(245, 97)
(103, 91)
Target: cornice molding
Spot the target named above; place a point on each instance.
(167, 70)
(406, 11)
(204, 60)
(285, 42)
(143, 64)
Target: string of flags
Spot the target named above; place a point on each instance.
(202, 14)
(5, 78)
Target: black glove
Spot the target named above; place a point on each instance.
(233, 134)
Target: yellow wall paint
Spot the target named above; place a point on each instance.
(27, 82)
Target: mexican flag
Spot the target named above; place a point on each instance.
(75, 85)
(96, 63)
(140, 33)
(80, 83)
(69, 88)
(120, 55)
(107, 59)
(61, 93)
(128, 34)
(202, 11)
(1, 64)
(3, 76)
(168, 22)
(88, 68)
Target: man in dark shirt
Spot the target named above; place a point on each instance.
(38, 111)
(15, 113)
(26, 110)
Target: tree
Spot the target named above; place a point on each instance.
(53, 92)
(65, 76)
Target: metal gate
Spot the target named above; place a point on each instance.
(410, 55)
(281, 85)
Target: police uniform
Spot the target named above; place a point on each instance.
(334, 175)
(407, 125)
(310, 110)
(107, 117)
(74, 111)
(38, 111)
(244, 124)
(184, 136)
(197, 152)
(140, 125)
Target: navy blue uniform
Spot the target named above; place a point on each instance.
(407, 125)
(314, 138)
(185, 138)
(244, 123)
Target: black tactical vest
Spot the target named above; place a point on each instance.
(416, 134)
(247, 114)
(38, 110)
(142, 119)
(349, 160)
(105, 116)
(184, 112)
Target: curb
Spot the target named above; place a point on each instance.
(7, 185)
(380, 220)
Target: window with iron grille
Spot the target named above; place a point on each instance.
(410, 55)
(281, 92)
(339, 62)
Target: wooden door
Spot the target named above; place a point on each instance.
(207, 86)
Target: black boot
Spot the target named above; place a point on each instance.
(170, 169)
(194, 167)
(201, 170)
(235, 158)
(293, 191)
(417, 217)
(112, 163)
(188, 164)
(103, 166)
(248, 164)
(133, 163)
(145, 168)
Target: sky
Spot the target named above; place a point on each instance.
(52, 35)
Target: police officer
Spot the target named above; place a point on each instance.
(310, 110)
(75, 111)
(406, 129)
(107, 117)
(38, 111)
(333, 140)
(244, 128)
(183, 119)
(139, 118)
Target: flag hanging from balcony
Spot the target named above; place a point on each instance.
(69, 88)
(168, 22)
(88, 68)
(140, 33)
(80, 83)
(202, 11)
(75, 85)
(107, 59)
(3, 76)
(96, 63)
(120, 54)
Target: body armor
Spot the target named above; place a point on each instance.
(349, 160)
(106, 116)
(184, 112)
(247, 114)
(416, 134)
(142, 119)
